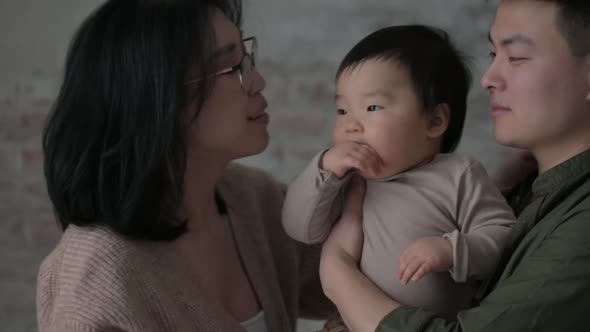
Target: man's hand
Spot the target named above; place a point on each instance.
(429, 254)
(349, 156)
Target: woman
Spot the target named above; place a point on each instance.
(161, 231)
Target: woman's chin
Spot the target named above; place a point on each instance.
(254, 148)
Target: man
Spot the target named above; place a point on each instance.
(539, 82)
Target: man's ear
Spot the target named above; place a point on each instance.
(439, 120)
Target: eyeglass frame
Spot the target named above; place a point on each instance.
(238, 67)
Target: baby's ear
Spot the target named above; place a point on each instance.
(439, 120)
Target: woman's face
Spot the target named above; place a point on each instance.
(232, 122)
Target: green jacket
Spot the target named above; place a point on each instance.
(543, 281)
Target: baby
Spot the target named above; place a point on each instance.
(429, 216)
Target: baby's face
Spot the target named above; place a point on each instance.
(377, 105)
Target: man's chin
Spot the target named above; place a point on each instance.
(510, 143)
(507, 140)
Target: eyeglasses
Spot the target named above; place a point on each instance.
(245, 68)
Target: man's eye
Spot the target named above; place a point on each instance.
(373, 108)
(340, 111)
(516, 59)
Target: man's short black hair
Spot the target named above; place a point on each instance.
(573, 21)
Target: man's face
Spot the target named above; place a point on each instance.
(539, 89)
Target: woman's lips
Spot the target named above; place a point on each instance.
(262, 118)
(498, 109)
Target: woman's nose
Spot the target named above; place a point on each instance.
(259, 83)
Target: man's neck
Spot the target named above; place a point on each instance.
(550, 157)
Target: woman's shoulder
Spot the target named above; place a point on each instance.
(88, 247)
(88, 263)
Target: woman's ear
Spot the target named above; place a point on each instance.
(439, 120)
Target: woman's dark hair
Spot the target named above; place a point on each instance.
(437, 69)
(114, 143)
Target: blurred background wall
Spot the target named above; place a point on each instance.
(301, 44)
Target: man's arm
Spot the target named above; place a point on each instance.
(548, 291)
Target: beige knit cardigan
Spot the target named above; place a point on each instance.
(97, 280)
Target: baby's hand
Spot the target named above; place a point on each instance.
(347, 156)
(429, 254)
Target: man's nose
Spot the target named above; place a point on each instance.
(492, 78)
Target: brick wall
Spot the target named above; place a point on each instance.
(301, 43)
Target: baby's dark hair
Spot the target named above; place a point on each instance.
(438, 70)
